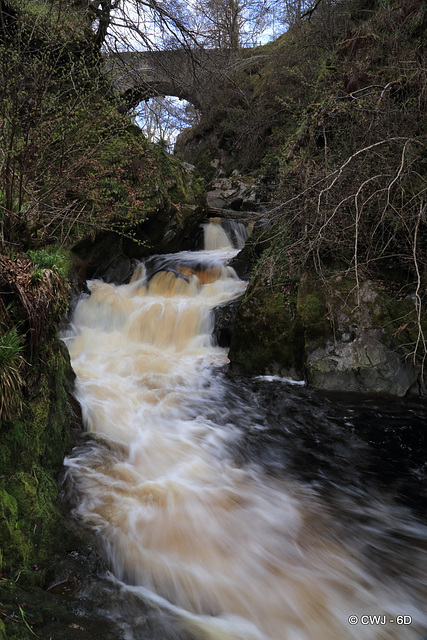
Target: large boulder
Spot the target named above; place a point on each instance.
(364, 365)
(361, 356)
(339, 336)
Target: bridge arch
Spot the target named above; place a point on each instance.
(185, 74)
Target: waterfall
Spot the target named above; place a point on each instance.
(236, 553)
(214, 235)
(221, 234)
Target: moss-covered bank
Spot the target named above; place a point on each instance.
(37, 422)
(267, 334)
(33, 448)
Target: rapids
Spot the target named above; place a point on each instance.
(191, 520)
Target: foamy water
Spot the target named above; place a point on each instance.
(235, 553)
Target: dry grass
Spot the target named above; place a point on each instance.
(38, 298)
(11, 381)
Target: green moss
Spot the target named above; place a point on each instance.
(398, 317)
(63, 22)
(266, 335)
(312, 310)
(14, 543)
(39, 434)
(40, 409)
(30, 524)
(33, 448)
(30, 528)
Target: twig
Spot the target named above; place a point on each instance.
(310, 11)
(418, 302)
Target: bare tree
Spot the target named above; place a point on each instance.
(230, 24)
(163, 24)
(163, 118)
(286, 13)
(148, 25)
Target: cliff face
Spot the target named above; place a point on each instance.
(331, 118)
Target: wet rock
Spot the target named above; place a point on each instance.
(169, 230)
(225, 318)
(244, 262)
(362, 355)
(62, 610)
(364, 365)
(102, 257)
(237, 193)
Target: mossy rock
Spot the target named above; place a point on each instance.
(269, 332)
(341, 336)
(30, 524)
(34, 444)
(40, 434)
(312, 310)
(365, 353)
(266, 337)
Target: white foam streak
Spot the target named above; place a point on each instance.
(297, 383)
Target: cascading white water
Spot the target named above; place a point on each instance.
(214, 236)
(238, 554)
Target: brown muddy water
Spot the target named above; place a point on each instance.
(232, 508)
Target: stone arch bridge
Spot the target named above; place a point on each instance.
(186, 74)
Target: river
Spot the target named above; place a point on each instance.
(237, 508)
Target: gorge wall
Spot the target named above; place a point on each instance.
(336, 142)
